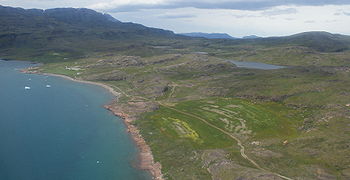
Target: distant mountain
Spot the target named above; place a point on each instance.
(216, 35)
(209, 35)
(318, 40)
(251, 37)
(68, 17)
(68, 30)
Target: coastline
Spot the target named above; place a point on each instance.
(110, 89)
(146, 160)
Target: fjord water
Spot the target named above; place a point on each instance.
(61, 132)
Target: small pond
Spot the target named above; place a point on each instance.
(256, 65)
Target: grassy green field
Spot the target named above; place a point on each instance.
(249, 121)
(293, 117)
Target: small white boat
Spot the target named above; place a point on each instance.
(48, 86)
(26, 87)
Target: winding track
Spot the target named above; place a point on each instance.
(172, 91)
(239, 142)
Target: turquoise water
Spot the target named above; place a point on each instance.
(60, 133)
(256, 65)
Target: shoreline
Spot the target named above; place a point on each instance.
(145, 156)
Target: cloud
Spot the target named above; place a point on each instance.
(342, 13)
(331, 21)
(289, 19)
(309, 21)
(245, 16)
(276, 12)
(265, 13)
(131, 5)
(125, 5)
(134, 5)
(178, 16)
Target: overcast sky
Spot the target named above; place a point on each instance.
(236, 17)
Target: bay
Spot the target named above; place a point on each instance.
(59, 130)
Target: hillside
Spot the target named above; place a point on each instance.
(63, 30)
(61, 33)
(304, 49)
(320, 41)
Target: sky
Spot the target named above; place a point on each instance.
(236, 17)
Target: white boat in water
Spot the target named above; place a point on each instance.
(26, 87)
(48, 86)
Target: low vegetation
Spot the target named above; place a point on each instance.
(284, 118)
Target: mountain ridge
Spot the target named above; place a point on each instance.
(208, 35)
(68, 30)
(319, 40)
(251, 37)
(78, 32)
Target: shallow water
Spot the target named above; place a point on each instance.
(256, 65)
(60, 132)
